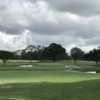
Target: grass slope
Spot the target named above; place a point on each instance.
(87, 90)
(48, 81)
(44, 76)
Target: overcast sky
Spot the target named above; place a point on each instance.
(40, 22)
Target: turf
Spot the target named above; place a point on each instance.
(87, 90)
(48, 81)
(44, 76)
(48, 65)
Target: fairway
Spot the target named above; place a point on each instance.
(47, 81)
(44, 76)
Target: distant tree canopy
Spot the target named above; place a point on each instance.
(57, 52)
(5, 55)
(30, 52)
(54, 52)
(76, 53)
(93, 55)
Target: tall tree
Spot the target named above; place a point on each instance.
(54, 51)
(93, 55)
(76, 53)
(5, 55)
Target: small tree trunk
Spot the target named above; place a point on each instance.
(54, 58)
(75, 61)
(4, 61)
(96, 62)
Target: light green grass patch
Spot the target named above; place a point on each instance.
(44, 76)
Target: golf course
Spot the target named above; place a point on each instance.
(47, 80)
(49, 49)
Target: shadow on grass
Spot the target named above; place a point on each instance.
(86, 90)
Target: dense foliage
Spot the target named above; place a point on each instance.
(52, 52)
(77, 54)
(5, 55)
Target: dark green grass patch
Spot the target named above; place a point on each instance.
(86, 90)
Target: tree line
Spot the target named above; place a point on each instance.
(52, 52)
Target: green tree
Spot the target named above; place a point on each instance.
(93, 55)
(5, 55)
(76, 53)
(54, 52)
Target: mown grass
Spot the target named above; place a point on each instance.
(48, 65)
(44, 76)
(48, 81)
(87, 90)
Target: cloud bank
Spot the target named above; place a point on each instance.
(68, 22)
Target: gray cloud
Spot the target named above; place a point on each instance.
(81, 7)
(69, 22)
